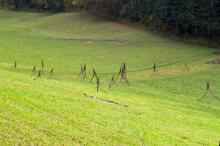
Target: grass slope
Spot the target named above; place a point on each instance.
(161, 110)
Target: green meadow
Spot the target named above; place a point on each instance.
(160, 110)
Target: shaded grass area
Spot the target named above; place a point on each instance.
(161, 110)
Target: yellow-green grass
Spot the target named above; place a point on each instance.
(161, 110)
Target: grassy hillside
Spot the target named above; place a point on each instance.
(160, 110)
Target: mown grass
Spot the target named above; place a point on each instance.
(161, 110)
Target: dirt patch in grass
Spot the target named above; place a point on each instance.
(121, 42)
(215, 61)
(105, 100)
(89, 42)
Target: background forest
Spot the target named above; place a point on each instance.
(187, 17)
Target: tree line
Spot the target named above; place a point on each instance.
(37, 4)
(187, 17)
